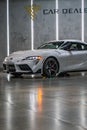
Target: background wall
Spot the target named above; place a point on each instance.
(44, 23)
(3, 45)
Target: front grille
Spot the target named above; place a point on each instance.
(11, 68)
(25, 67)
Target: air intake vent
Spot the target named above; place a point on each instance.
(24, 67)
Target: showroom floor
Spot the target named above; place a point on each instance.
(43, 104)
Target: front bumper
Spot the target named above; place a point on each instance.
(30, 68)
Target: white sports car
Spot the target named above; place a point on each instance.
(50, 59)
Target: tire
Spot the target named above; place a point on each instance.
(50, 67)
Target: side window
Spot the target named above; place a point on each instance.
(65, 46)
(84, 47)
(76, 46)
(73, 46)
(79, 46)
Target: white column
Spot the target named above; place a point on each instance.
(57, 20)
(8, 45)
(32, 28)
(82, 21)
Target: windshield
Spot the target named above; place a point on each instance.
(51, 45)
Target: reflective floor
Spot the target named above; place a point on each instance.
(43, 104)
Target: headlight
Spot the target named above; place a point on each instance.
(33, 58)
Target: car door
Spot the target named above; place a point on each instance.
(75, 58)
(82, 57)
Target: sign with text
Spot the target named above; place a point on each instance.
(34, 9)
(64, 11)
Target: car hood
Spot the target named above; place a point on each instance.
(42, 52)
(31, 53)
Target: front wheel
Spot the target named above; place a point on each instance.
(50, 67)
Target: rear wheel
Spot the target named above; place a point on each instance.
(50, 67)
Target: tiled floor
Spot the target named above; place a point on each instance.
(43, 104)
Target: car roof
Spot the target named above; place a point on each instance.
(68, 40)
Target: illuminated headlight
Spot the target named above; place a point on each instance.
(33, 58)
